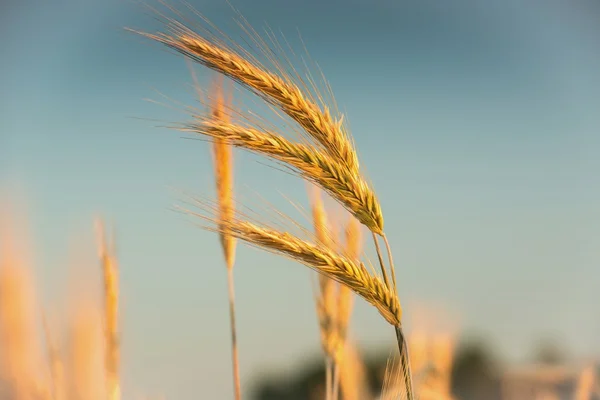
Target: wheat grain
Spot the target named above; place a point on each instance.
(223, 170)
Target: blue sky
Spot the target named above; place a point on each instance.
(476, 121)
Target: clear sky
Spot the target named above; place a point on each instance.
(478, 123)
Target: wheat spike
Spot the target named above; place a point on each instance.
(279, 91)
(321, 259)
(223, 170)
(351, 190)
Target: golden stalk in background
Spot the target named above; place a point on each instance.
(326, 301)
(223, 169)
(111, 316)
(349, 380)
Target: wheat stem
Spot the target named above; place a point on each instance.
(328, 377)
(381, 263)
(404, 362)
(234, 347)
(336, 382)
(390, 259)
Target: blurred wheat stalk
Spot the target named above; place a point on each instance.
(223, 170)
(87, 366)
(334, 301)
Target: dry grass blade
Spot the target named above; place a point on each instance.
(279, 91)
(321, 259)
(111, 309)
(351, 190)
(404, 362)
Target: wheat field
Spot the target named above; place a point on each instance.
(82, 360)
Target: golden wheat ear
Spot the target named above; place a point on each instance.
(349, 189)
(321, 259)
(223, 170)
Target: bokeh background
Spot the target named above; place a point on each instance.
(478, 123)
